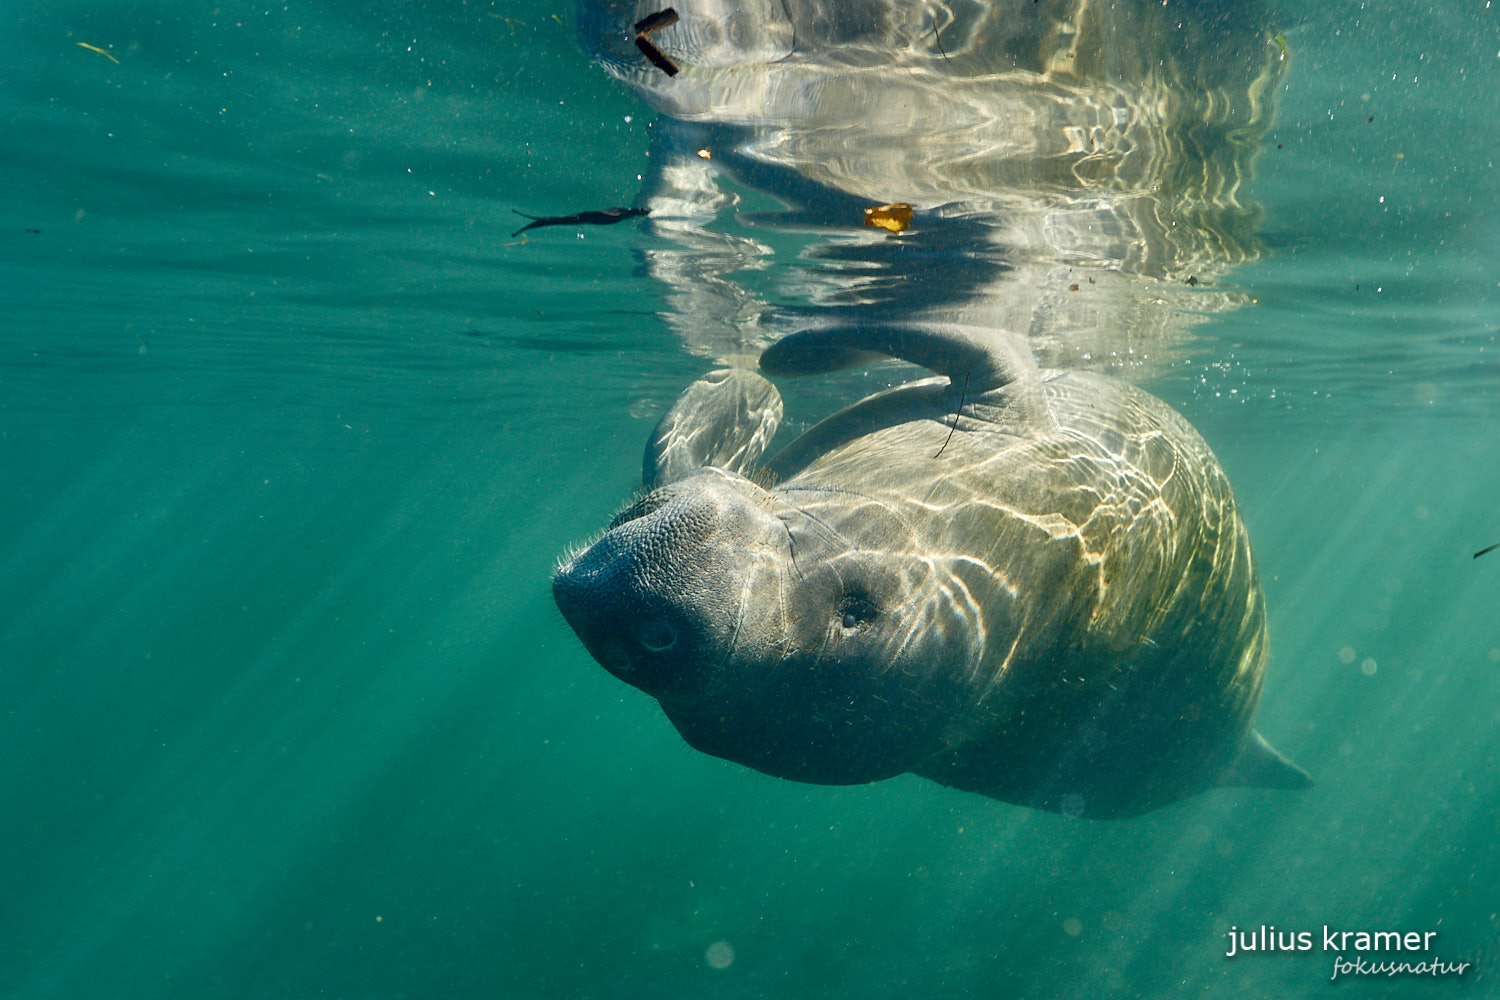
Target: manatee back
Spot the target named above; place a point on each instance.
(1124, 667)
(1146, 688)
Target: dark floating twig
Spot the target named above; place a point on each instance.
(607, 217)
(956, 414)
(655, 22)
(657, 56)
(939, 37)
(644, 27)
(1490, 548)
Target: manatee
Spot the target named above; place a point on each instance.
(1029, 583)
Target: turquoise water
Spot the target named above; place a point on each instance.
(292, 431)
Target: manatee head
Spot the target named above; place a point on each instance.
(798, 631)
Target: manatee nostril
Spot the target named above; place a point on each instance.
(648, 504)
(658, 637)
(616, 659)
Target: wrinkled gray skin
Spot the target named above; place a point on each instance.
(1030, 584)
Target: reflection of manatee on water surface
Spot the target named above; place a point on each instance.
(1029, 582)
(1047, 146)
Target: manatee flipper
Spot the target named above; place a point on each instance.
(985, 359)
(725, 419)
(1260, 765)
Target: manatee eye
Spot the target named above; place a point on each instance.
(854, 611)
(658, 637)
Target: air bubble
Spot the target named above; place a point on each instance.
(720, 955)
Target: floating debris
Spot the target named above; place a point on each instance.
(896, 216)
(939, 37)
(956, 414)
(644, 27)
(1489, 548)
(655, 22)
(103, 52)
(607, 217)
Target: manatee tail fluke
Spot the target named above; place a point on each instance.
(1260, 765)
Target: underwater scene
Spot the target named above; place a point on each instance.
(436, 558)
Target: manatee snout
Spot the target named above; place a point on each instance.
(659, 599)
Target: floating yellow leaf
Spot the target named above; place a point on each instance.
(102, 52)
(895, 216)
